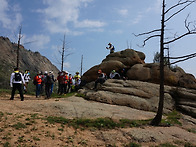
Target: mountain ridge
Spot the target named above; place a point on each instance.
(32, 61)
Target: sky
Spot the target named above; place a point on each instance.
(89, 25)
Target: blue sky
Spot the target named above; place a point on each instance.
(89, 25)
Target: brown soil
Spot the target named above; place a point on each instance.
(39, 133)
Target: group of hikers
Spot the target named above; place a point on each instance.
(65, 83)
(44, 82)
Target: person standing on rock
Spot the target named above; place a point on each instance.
(111, 48)
(16, 81)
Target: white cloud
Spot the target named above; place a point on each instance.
(137, 19)
(10, 17)
(123, 12)
(37, 42)
(90, 24)
(62, 15)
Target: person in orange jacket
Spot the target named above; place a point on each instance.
(64, 82)
(38, 82)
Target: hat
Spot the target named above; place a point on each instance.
(45, 72)
(99, 71)
(113, 71)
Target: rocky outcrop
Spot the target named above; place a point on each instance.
(142, 95)
(115, 61)
(33, 61)
(137, 69)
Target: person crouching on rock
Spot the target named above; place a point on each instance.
(114, 75)
(101, 78)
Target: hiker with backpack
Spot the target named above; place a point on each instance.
(48, 82)
(16, 81)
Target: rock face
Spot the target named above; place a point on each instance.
(141, 90)
(27, 60)
(142, 95)
(137, 69)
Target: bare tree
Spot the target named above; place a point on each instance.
(64, 54)
(18, 48)
(191, 29)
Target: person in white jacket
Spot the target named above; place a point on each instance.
(16, 81)
(26, 78)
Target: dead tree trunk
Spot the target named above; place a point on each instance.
(158, 117)
(63, 51)
(18, 52)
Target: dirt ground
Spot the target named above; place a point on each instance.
(38, 132)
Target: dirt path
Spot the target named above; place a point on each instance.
(39, 133)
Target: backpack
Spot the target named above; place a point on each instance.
(49, 79)
(17, 77)
(34, 81)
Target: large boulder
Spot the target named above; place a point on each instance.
(142, 96)
(128, 57)
(135, 94)
(151, 73)
(115, 61)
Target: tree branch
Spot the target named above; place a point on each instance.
(183, 60)
(175, 39)
(190, 2)
(146, 33)
(189, 31)
(178, 4)
(194, 54)
(144, 43)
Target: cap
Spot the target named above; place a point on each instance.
(99, 71)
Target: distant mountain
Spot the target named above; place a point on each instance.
(32, 61)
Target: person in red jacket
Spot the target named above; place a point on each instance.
(38, 80)
(65, 82)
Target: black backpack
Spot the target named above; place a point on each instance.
(48, 79)
(18, 77)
